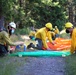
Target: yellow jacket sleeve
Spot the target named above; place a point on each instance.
(43, 36)
(73, 41)
(56, 31)
(52, 34)
(49, 36)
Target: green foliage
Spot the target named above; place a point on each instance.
(46, 11)
(35, 12)
(7, 8)
(22, 31)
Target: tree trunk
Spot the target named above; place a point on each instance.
(1, 19)
(71, 14)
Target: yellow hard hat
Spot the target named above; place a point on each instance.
(49, 25)
(68, 25)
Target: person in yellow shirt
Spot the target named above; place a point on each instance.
(32, 34)
(5, 40)
(41, 37)
(56, 31)
(72, 31)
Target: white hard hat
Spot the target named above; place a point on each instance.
(12, 24)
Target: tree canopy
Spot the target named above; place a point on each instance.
(36, 12)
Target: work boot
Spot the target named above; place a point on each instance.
(29, 46)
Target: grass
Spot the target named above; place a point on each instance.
(70, 65)
(10, 65)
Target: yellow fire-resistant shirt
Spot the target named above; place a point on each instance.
(52, 34)
(56, 31)
(4, 39)
(73, 41)
(43, 34)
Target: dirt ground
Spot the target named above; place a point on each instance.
(42, 66)
(32, 65)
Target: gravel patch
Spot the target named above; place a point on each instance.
(42, 66)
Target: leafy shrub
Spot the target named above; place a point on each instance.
(22, 31)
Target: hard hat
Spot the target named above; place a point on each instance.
(49, 25)
(12, 24)
(68, 25)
